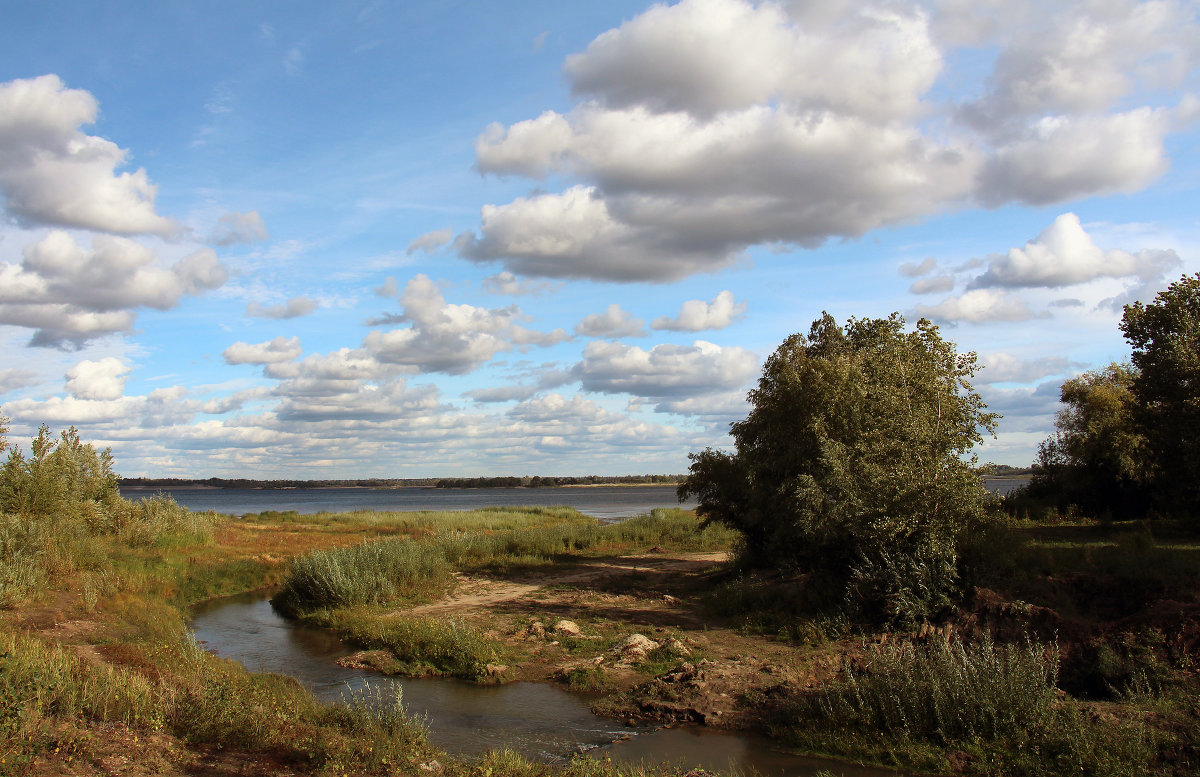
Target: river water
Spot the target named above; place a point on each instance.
(539, 720)
(603, 502)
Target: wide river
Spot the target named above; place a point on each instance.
(603, 502)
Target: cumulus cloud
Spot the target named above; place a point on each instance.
(430, 241)
(281, 349)
(293, 308)
(707, 127)
(52, 173)
(234, 228)
(613, 322)
(443, 337)
(70, 294)
(979, 306)
(1064, 254)
(916, 270)
(664, 371)
(696, 315)
(103, 379)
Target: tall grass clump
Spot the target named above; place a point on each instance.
(946, 691)
(375, 572)
(419, 646)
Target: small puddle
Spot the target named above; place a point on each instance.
(538, 720)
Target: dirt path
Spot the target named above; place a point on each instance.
(475, 593)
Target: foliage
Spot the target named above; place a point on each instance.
(1165, 339)
(849, 466)
(1096, 460)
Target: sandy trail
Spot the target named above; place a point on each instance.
(474, 593)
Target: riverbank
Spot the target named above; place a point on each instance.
(642, 617)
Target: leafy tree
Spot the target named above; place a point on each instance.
(1096, 460)
(850, 466)
(1165, 339)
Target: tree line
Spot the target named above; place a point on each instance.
(538, 481)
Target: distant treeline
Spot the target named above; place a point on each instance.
(274, 484)
(1005, 471)
(537, 481)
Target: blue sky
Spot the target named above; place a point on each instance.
(378, 239)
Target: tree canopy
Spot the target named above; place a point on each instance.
(850, 465)
(1165, 340)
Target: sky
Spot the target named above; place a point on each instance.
(368, 239)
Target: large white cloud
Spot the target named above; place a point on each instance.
(665, 370)
(70, 294)
(51, 173)
(979, 306)
(710, 126)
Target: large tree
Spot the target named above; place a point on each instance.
(850, 465)
(1165, 338)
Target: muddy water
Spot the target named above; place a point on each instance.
(540, 721)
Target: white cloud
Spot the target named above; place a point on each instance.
(430, 241)
(502, 393)
(234, 228)
(696, 315)
(915, 270)
(674, 371)
(707, 127)
(281, 349)
(293, 308)
(103, 379)
(13, 379)
(444, 337)
(51, 173)
(1063, 157)
(613, 322)
(1064, 254)
(506, 283)
(1006, 368)
(979, 306)
(711, 56)
(937, 284)
(70, 294)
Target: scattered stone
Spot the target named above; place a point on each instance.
(536, 631)
(567, 629)
(677, 648)
(634, 647)
(669, 599)
(433, 767)
(657, 549)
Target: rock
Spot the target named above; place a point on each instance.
(677, 648)
(536, 630)
(567, 629)
(634, 647)
(669, 599)
(495, 670)
(657, 549)
(433, 767)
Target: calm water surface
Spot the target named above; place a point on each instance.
(603, 502)
(539, 720)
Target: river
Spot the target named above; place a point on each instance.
(539, 720)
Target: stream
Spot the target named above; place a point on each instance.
(538, 720)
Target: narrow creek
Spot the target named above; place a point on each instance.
(538, 720)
